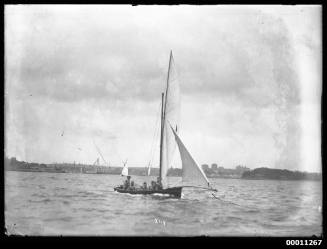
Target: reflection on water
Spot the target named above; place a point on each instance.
(85, 204)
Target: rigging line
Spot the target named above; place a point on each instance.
(225, 201)
(153, 151)
(154, 137)
(157, 126)
(154, 148)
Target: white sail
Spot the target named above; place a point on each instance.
(124, 172)
(192, 174)
(171, 116)
(149, 170)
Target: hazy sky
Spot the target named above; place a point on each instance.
(250, 83)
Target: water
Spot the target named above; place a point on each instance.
(85, 204)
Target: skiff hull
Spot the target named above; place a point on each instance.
(175, 192)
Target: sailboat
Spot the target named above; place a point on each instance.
(124, 172)
(192, 174)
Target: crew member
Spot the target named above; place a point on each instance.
(132, 185)
(127, 182)
(158, 183)
(153, 185)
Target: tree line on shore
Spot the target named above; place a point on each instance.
(280, 174)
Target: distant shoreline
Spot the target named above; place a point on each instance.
(240, 172)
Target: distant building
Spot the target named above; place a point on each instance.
(214, 166)
(240, 169)
(205, 166)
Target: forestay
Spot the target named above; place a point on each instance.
(171, 116)
(192, 174)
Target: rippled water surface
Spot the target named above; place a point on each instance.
(85, 204)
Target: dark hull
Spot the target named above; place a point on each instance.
(173, 192)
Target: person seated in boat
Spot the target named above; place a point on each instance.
(145, 186)
(132, 187)
(158, 183)
(153, 185)
(127, 182)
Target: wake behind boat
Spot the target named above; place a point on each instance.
(192, 174)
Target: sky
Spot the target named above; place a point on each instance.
(80, 77)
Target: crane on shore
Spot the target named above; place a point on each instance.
(98, 150)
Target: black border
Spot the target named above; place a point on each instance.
(154, 242)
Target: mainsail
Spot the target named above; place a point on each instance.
(171, 114)
(192, 174)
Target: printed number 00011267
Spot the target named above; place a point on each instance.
(306, 242)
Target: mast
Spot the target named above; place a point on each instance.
(163, 114)
(161, 134)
